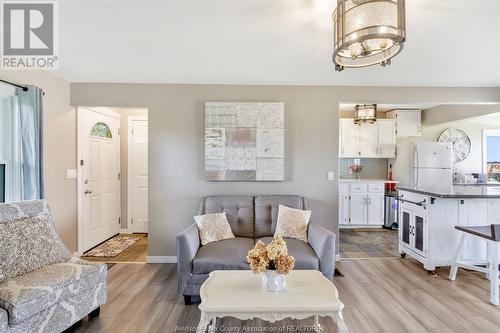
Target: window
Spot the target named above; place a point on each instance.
(10, 151)
(2, 182)
(491, 154)
(101, 130)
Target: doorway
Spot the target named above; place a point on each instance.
(113, 184)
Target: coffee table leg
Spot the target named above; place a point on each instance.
(316, 327)
(204, 321)
(339, 319)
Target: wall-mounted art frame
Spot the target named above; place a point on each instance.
(244, 141)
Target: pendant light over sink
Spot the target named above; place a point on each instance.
(367, 32)
(365, 113)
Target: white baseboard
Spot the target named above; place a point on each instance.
(360, 226)
(161, 260)
(124, 231)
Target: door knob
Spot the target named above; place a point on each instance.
(87, 192)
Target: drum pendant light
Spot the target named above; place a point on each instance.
(367, 32)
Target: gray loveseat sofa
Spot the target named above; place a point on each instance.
(251, 219)
(43, 288)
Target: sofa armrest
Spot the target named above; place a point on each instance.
(187, 245)
(323, 243)
(103, 268)
(4, 321)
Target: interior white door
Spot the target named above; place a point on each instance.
(100, 165)
(138, 175)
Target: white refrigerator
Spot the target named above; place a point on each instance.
(432, 164)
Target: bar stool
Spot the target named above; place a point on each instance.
(491, 235)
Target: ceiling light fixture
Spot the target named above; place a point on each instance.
(365, 113)
(367, 32)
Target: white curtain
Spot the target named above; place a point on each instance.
(10, 148)
(21, 143)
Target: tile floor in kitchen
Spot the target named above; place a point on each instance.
(368, 243)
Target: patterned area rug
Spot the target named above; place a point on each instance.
(113, 247)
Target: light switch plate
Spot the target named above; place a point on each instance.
(331, 175)
(71, 174)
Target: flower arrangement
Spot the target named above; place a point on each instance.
(356, 169)
(273, 256)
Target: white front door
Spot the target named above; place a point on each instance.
(100, 167)
(138, 175)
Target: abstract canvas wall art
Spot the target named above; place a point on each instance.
(244, 141)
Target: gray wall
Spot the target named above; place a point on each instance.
(176, 150)
(446, 113)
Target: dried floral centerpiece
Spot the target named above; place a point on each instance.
(272, 262)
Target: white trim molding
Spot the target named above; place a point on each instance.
(124, 231)
(161, 259)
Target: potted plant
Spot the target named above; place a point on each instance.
(272, 262)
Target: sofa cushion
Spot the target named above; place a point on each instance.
(239, 212)
(28, 239)
(305, 257)
(25, 296)
(223, 255)
(266, 211)
(213, 227)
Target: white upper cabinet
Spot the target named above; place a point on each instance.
(408, 122)
(349, 138)
(368, 146)
(366, 140)
(386, 131)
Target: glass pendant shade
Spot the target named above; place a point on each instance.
(365, 113)
(367, 32)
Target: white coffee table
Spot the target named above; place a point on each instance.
(239, 294)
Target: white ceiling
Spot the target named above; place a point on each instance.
(449, 43)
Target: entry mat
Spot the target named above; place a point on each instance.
(113, 247)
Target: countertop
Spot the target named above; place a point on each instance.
(369, 180)
(456, 191)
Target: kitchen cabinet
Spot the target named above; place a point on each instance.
(413, 231)
(386, 138)
(367, 140)
(408, 122)
(361, 204)
(375, 209)
(427, 221)
(349, 142)
(367, 134)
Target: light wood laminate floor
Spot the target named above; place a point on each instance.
(380, 295)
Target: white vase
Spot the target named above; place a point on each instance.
(273, 281)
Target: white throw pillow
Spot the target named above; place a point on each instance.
(213, 227)
(292, 223)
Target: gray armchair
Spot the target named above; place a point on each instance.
(43, 288)
(251, 219)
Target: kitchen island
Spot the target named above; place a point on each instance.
(428, 215)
